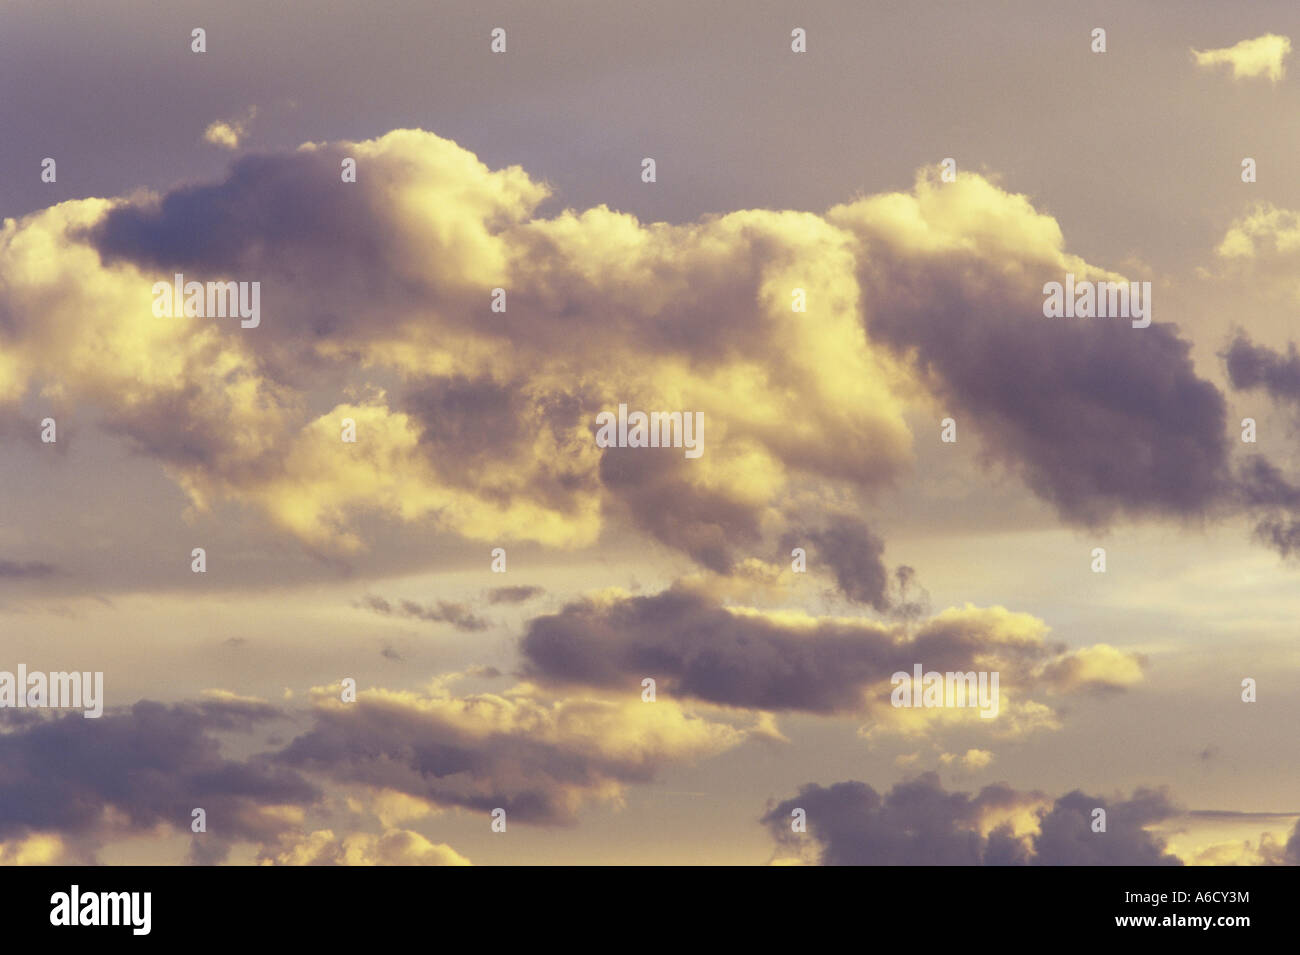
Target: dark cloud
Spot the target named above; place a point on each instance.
(694, 647)
(1280, 533)
(1067, 838)
(1099, 418)
(918, 823)
(1256, 366)
(1263, 485)
(152, 764)
(445, 611)
(287, 202)
(1264, 490)
(441, 753)
(855, 556)
(1274, 501)
(23, 570)
(513, 595)
(653, 488)
(457, 614)
(335, 261)
(912, 599)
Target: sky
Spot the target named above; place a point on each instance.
(370, 581)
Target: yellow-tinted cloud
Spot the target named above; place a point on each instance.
(39, 848)
(1100, 666)
(229, 133)
(539, 759)
(1261, 56)
(1261, 249)
(972, 759)
(481, 422)
(392, 847)
(1264, 232)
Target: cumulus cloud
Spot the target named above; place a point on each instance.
(698, 648)
(1261, 56)
(497, 452)
(391, 847)
(396, 756)
(1098, 667)
(972, 759)
(380, 292)
(1266, 232)
(919, 823)
(41, 848)
(228, 133)
(538, 760)
(1100, 419)
(143, 767)
(1259, 254)
(1266, 850)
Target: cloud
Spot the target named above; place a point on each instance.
(1256, 366)
(1267, 232)
(1098, 667)
(444, 611)
(918, 823)
(396, 755)
(1066, 836)
(380, 291)
(854, 555)
(391, 847)
(696, 648)
(1263, 250)
(972, 759)
(142, 767)
(1258, 257)
(1266, 850)
(21, 570)
(513, 595)
(41, 848)
(1275, 501)
(538, 760)
(229, 133)
(499, 448)
(391, 807)
(1261, 56)
(1099, 418)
